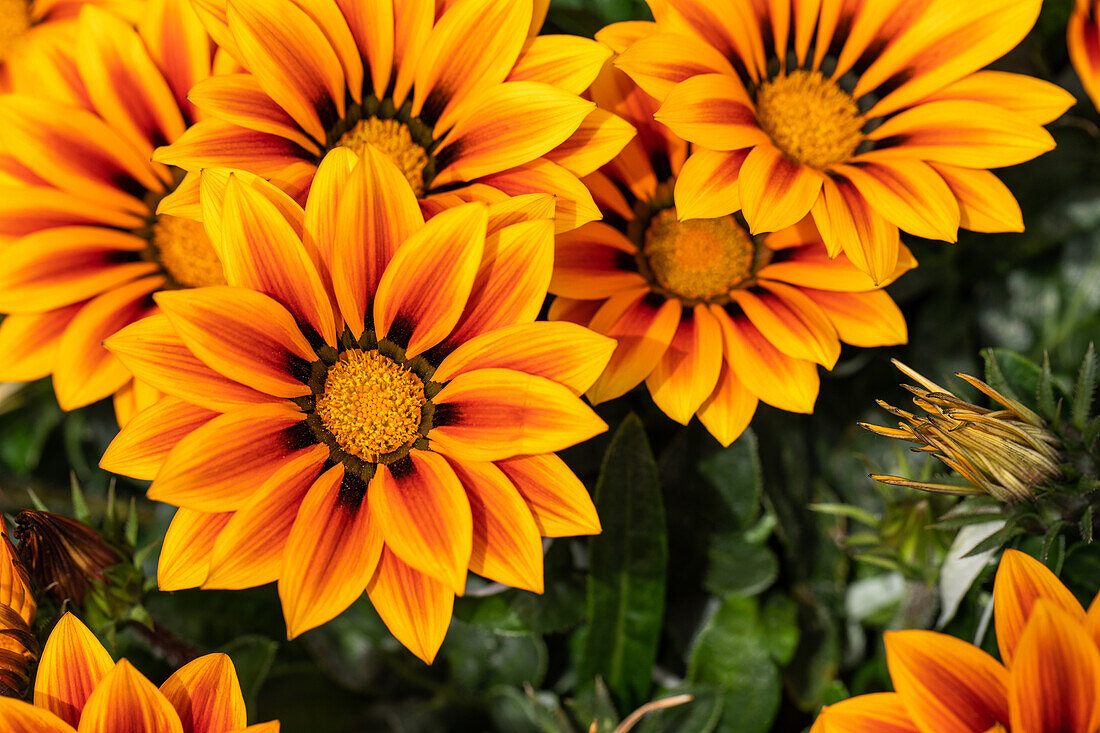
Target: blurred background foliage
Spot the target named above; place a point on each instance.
(757, 579)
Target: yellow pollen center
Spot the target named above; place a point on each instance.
(809, 118)
(185, 252)
(698, 259)
(371, 404)
(394, 139)
(15, 19)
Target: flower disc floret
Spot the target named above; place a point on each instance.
(394, 139)
(184, 251)
(809, 118)
(15, 19)
(698, 259)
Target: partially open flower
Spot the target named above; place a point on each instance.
(63, 555)
(18, 647)
(1006, 452)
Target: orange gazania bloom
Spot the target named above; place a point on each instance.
(370, 405)
(462, 96)
(711, 317)
(78, 685)
(870, 116)
(1048, 680)
(1083, 41)
(18, 609)
(83, 248)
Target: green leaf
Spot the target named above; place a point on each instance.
(739, 568)
(626, 583)
(701, 715)
(1086, 524)
(731, 652)
(735, 471)
(779, 622)
(80, 507)
(252, 655)
(1092, 432)
(847, 511)
(1045, 389)
(1082, 394)
(1023, 376)
(593, 707)
(995, 376)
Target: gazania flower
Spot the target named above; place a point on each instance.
(1006, 452)
(869, 116)
(369, 405)
(466, 100)
(1048, 680)
(84, 249)
(1083, 41)
(79, 686)
(711, 317)
(18, 608)
(63, 555)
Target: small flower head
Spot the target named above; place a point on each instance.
(1006, 451)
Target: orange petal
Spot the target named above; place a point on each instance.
(64, 265)
(218, 466)
(319, 225)
(596, 141)
(908, 193)
(507, 547)
(377, 214)
(372, 25)
(331, 553)
(643, 326)
(559, 502)
(564, 352)
(985, 204)
(450, 68)
(414, 606)
(688, 371)
(126, 701)
(249, 550)
(729, 408)
(570, 63)
(124, 84)
(1084, 51)
(214, 143)
(142, 446)
(15, 584)
(783, 382)
(425, 287)
(1021, 579)
(595, 261)
(29, 343)
(945, 683)
(151, 349)
(707, 186)
(511, 283)
(848, 223)
(1055, 685)
(89, 372)
(412, 24)
(425, 515)
(72, 664)
(792, 322)
(243, 335)
(509, 124)
(812, 267)
(179, 45)
(312, 88)
(238, 99)
(714, 111)
(878, 713)
(775, 191)
(21, 717)
(862, 319)
(262, 252)
(207, 695)
(490, 414)
(659, 62)
(28, 208)
(1037, 100)
(185, 555)
(213, 185)
(574, 206)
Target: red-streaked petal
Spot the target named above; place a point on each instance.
(141, 447)
(72, 664)
(185, 555)
(595, 261)
(491, 414)
(331, 553)
(776, 192)
(561, 351)
(1021, 580)
(945, 683)
(559, 502)
(1037, 100)
(985, 204)
(688, 371)
(220, 465)
(783, 382)
(729, 409)
(238, 99)
(567, 62)
(574, 206)
(126, 701)
(596, 141)
(791, 321)
(908, 193)
(882, 712)
(207, 695)
(179, 45)
(712, 110)
(414, 606)
(812, 267)
(425, 516)
(243, 335)
(659, 62)
(249, 550)
(507, 547)
(425, 287)
(21, 717)
(849, 224)
(29, 343)
(707, 186)
(862, 319)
